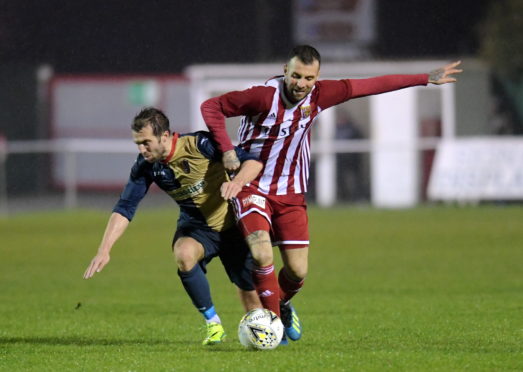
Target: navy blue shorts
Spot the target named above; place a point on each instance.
(229, 245)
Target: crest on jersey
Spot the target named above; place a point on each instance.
(186, 166)
(305, 112)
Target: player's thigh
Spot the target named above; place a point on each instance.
(255, 228)
(290, 226)
(253, 211)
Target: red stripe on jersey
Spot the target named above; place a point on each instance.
(272, 136)
(299, 154)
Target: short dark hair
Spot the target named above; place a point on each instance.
(153, 117)
(305, 53)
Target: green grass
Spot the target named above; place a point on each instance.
(429, 289)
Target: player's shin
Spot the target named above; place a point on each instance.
(288, 286)
(197, 287)
(266, 285)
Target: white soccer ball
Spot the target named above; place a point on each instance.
(260, 329)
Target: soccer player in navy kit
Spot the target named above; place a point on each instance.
(189, 169)
(276, 127)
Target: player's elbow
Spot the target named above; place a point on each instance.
(255, 165)
(210, 106)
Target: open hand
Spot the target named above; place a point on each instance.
(96, 265)
(230, 189)
(442, 75)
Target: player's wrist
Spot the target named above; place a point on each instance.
(239, 182)
(103, 251)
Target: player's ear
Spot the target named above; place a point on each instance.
(285, 69)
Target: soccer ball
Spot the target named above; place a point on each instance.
(260, 329)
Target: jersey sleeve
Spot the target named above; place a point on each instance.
(135, 189)
(387, 83)
(244, 155)
(209, 149)
(246, 102)
(207, 146)
(333, 92)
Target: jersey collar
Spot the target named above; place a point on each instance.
(173, 147)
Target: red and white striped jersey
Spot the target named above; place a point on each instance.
(280, 138)
(278, 132)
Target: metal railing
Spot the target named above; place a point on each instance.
(70, 149)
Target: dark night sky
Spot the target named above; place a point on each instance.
(167, 35)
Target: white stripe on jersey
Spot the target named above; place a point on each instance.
(297, 176)
(245, 129)
(305, 161)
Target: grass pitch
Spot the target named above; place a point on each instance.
(429, 289)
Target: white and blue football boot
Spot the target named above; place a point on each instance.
(290, 320)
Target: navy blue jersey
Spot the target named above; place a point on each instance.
(192, 175)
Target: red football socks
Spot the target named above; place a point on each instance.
(267, 287)
(288, 287)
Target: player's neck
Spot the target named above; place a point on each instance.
(289, 102)
(168, 147)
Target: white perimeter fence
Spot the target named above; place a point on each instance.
(467, 169)
(69, 151)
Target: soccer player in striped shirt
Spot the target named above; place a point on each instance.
(276, 127)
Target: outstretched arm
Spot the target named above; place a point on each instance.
(248, 171)
(115, 228)
(337, 91)
(443, 75)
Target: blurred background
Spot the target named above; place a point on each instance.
(74, 73)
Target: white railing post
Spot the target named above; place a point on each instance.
(448, 111)
(326, 161)
(71, 193)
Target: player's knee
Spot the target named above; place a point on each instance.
(185, 258)
(261, 248)
(187, 252)
(262, 257)
(185, 263)
(297, 272)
